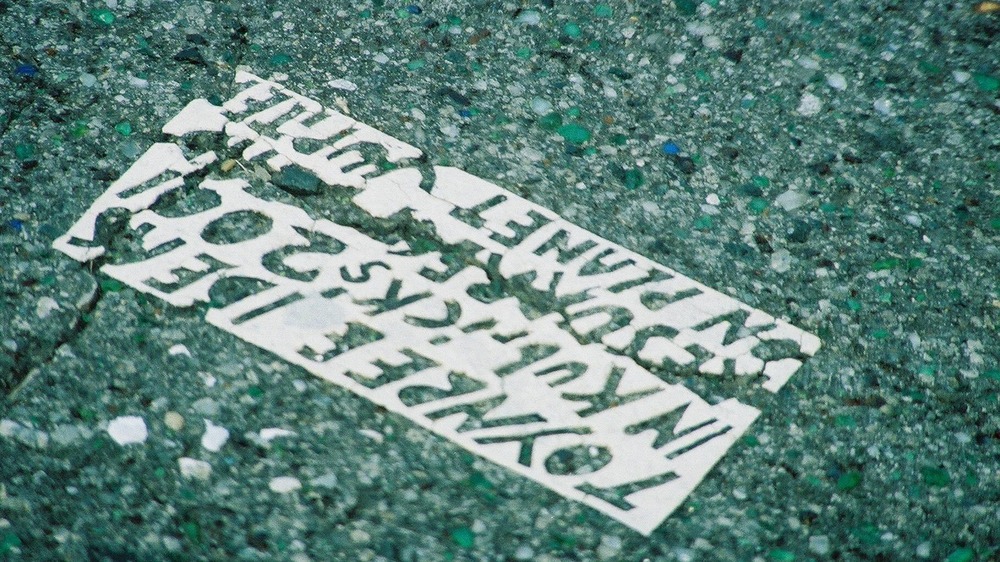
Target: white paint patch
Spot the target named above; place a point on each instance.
(128, 430)
(284, 484)
(199, 115)
(435, 329)
(215, 437)
(194, 468)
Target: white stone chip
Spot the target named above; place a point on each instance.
(529, 17)
(610, 547)
(284, 484)
(541, 106)
(206, 406)
(128, 430)
(342, 84)
(372, 434)
(45, 306)
(781, 261)
(179, 349)
(269, 433)
(27, 435)
(820, 544)
(7, 427)
(837, 81)
(809, 105)
(137, 82)
(173, 420)
(67, 434)
(808, 62)
(194, 468)
(791, 200)
(325, 481)
(215, 436)
(524, 552)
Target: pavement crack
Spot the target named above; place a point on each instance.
(27, 366)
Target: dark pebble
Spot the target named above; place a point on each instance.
(763, 243)
(190, 55)
(104, 175)
(28, 70)
(296, 181)
(737, 249)
(619, 73)
(687, 7)
(455, 96)
(685, 164)
(258, 541)
(800, 232)
(735, 55)
(820, 168)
